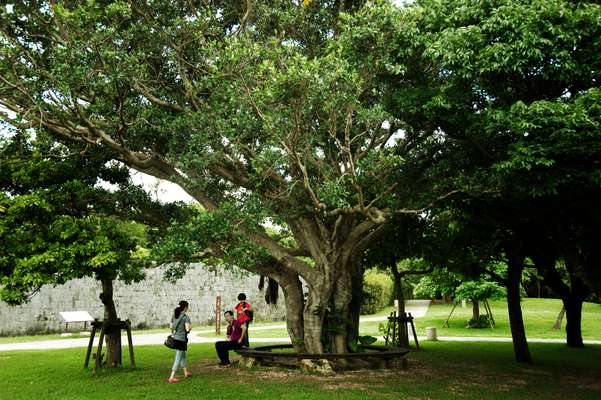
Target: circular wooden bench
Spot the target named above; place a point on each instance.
(374, 356)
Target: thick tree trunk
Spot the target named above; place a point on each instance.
(586, 265)
(293, 296)
(475, 310)
(545, 264)
(403, 333)
(514, 277)
(573, 301)
(572, 295)
(313, 316)
(573, 306)
(341, 300)
(111, 330)
(327, 311)
(398, 287)
(335, 249)
(355, 305)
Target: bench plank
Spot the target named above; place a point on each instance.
(260, 352)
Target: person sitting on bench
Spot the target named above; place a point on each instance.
(235, 338)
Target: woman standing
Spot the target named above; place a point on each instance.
(180, 326)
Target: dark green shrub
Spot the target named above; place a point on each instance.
(479, 323)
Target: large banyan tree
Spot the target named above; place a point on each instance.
(303, 128)
(272, 115)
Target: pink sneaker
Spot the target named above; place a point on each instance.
(173, 380)
(187, 374)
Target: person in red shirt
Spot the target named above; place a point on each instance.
(244, 315)
(235, 336)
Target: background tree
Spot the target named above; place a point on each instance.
(57, 224)
(445, 283)
(518, 98)
(398, 252)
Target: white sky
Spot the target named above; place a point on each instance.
(159, 189)
(162, 190)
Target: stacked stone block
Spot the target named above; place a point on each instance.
(147, 304)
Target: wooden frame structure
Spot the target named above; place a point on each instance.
(487, 308)
(397, 324)
(101, 326)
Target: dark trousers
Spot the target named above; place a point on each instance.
(223, 350)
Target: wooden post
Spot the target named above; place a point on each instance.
(130, 344)
(403, 335)
(218, 315)
(395, 340)
(557, 324)
(446, 323)
(491, 320)
(90, 345)
(414, 332)
(99, 351)
(388, 337)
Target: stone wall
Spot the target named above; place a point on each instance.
(147, 304)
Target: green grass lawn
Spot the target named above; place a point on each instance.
(539, 317)
(439, 371)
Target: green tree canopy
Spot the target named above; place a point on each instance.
(326, 118)
(57, 223)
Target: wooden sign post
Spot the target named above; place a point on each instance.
(218, 315)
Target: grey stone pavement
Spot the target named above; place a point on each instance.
(417, 308)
